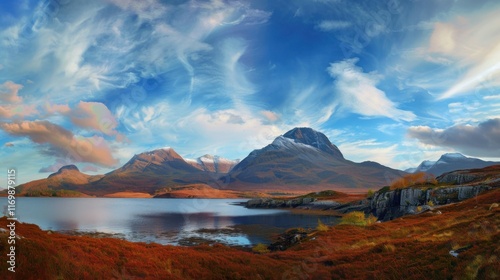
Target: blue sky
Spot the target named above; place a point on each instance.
(92, 83)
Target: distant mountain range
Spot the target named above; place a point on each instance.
(214, 164)
(450, 162)
(300, 160)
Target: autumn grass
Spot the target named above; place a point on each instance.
(412, 247)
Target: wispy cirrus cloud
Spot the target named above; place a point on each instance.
(469, 42)
(458, 53)
(105, 46)
(357, 92)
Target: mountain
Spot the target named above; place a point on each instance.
(65, 178)
(148, 172)
(451, 162)
(305, 159)
(212, 163)
(302, 160)
(158, 162)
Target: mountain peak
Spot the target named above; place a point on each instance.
(453, 156)
(208, 156)
(159, 155)
(66, 167)
(311, 137)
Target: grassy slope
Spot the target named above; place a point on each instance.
(413, 247)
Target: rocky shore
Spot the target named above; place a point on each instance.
(387, 204)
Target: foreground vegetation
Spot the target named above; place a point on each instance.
(413, 247)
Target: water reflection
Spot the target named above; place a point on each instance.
(165, 221)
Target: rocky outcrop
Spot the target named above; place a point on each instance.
(389, 205)
(279, 203)
(385, 205)
(456, 186)
(289, 238)
(454, 178)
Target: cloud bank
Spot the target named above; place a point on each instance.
(62, 143)
(482, 140)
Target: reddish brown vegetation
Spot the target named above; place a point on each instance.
(196, 191)
(412, 247)
(420, 178)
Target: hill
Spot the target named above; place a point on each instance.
(59, 183)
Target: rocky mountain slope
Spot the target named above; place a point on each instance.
(212, 163)
(148, 172)
(305, 159)
(450, 162)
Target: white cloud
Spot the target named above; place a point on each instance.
(146, 9)
(230, 133)
(357, 92)
(470, 43)
(17, 111)
(270, 116)
(9, 92)
(370, 150)
(492, 97)
(94, 115)
(332, 25)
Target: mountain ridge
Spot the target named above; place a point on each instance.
(450, 162)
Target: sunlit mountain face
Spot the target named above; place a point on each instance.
(93, 83)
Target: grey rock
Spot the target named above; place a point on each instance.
(396, 203)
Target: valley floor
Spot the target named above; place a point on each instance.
(412, 247)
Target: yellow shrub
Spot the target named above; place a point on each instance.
(260, 248)
(357, 218)
(408, 180)
(389, 248)
(321, 226)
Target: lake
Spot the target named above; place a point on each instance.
(164, 221)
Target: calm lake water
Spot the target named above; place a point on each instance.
(164, 221)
